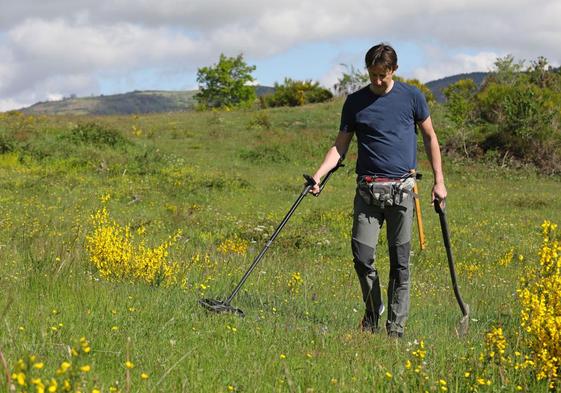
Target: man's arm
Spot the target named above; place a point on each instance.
(332, 157)
(433, 153)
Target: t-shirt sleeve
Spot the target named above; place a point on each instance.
(347, 118)
(421, 107)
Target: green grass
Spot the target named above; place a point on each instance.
(224, 175)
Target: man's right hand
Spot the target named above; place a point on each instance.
(315, 189)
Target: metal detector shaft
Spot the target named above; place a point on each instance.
(446, 236)
(310, 182)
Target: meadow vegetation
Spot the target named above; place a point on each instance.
(113, 227)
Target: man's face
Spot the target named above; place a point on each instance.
(380, 78)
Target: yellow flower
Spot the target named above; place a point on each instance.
(144, 376)
(282, 356)
(389, 375)
(20, 377)
(64, 366)
(38, 365)
(53, 386)
(129, 364)
(85, 368)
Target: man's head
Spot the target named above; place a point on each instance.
(381, 62)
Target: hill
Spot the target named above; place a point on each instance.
(127, 103)
(159, 101)
(136, 102)
(437, 86)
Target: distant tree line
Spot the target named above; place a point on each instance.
(229, 84)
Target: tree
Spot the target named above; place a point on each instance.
(460, 105)
(507, 71)
(350, 81)
(226, 84)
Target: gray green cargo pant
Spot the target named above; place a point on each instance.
(367, 223)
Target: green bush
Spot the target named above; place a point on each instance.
(93, 133)
(7, 144)
(515, 115)
(419, 85)
(296, 93)
(461, 111)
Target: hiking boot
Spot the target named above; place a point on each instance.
(369, 323)
(395, 335)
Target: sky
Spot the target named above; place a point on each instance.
(51, 49)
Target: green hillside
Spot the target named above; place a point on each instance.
(135, 102)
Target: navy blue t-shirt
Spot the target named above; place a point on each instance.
(385, 128)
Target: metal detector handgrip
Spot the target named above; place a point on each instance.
(310, 180)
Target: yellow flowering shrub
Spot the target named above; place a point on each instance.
(233, 245)
(116, 254)
(540, 299)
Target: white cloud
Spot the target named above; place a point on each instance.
(7, 104)
(445, 65)
(42, 43)
(332, 76)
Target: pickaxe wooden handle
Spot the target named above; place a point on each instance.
(422, 241)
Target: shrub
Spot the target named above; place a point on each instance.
(96, 134)
(540, 297)
(515, 114)
(419, 85)
(351, 81)
(260, 121)
(528, 122)
(7, 144)
(297, 93)
(117, 255)
(460, 105)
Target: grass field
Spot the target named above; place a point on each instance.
(224, 180)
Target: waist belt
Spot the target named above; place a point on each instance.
(377, 179)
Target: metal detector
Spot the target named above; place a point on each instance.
(464, 307)
(224, 306)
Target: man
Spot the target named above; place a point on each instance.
(384, 116)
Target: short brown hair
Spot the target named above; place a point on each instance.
(381, 54)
